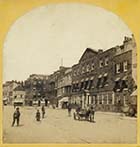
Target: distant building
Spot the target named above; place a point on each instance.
(35, 88)
(64, 88)
(19, 95)
(56, 88)
(8, 90)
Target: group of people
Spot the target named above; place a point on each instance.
(16, 115)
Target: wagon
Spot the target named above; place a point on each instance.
(84, 114)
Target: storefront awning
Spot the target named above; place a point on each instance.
(105, 75)
(82, 80)
(124, 78)
(134, 93)
(86, 79)
(117, 79)
(91, 78)
(64, 99)
(99, 76)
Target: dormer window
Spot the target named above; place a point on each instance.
(106, 61)
(92, 66)
(101, 63)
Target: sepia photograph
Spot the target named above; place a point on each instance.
(69, 77)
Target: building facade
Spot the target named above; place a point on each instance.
(35, 88)
(104, 78)
(8, 90)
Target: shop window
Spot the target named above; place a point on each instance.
(110, 99)
(105, 99)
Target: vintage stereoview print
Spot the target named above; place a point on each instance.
(69, 76)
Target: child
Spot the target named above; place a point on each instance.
(37, 115)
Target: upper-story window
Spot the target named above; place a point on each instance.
(88, 68)
(101, 63)
(106, 61)
(92, 66)
(83, 69)
(118, 68)
(125, 66)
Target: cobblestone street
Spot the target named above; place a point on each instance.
(57, 127)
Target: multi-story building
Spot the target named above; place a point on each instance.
(35, 87)
(56, 89)
(64, 88)
(104, 78)
(8, 89)
(19, 95)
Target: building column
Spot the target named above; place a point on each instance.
(107, 102)
(113, 98)
(102, 99)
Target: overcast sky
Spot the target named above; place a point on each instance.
(38, 41)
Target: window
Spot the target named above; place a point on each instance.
(83, 69)
(105, 96)
(110, 99)
(98, 82)
(90, 84)
(106, 61)
(105, 83)
(82, 84)
(100, 99)
(92, 66)
(86, 84)
(101, 63)
(124, 84)
(88, 68)
(117, 86)
(125, 66)
(118, 68)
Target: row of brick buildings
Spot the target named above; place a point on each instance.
(105, 78)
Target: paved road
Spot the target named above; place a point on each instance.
(57, 127)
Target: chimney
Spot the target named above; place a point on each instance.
(100, 51)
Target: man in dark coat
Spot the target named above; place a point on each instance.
(43, 111)
(16, 117)
(69, 109)
(37, 115)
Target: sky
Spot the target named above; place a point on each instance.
(38, 41)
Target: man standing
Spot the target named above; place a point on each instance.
(16, 117)
(69, 109)
(43, 111)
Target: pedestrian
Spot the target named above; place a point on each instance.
(43, 111)
(37, 115)
(69, 109)
(16, 117)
